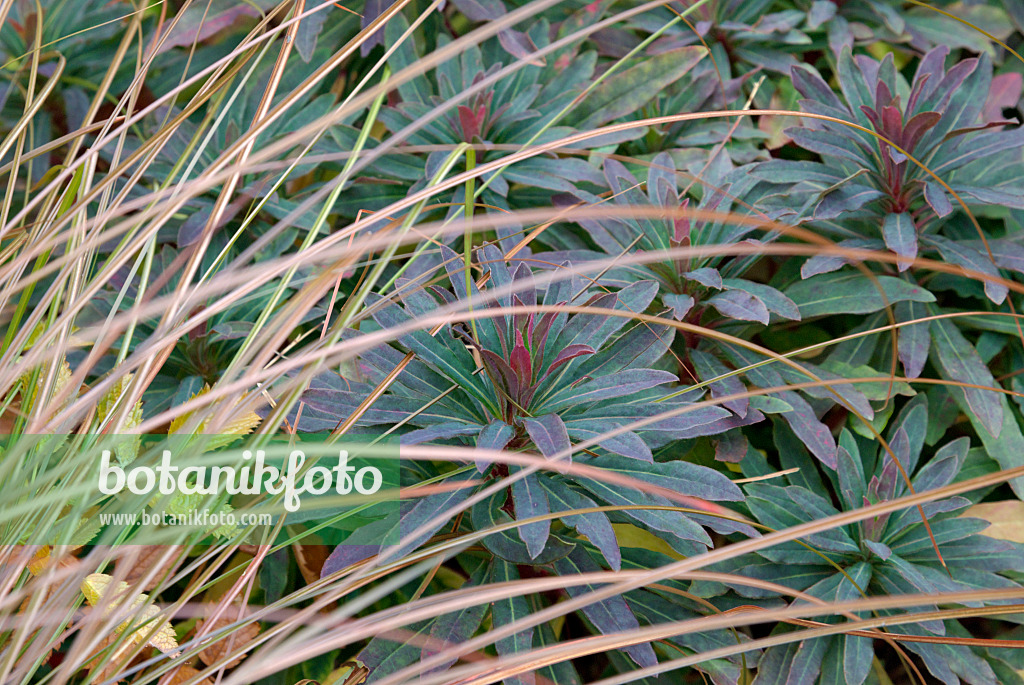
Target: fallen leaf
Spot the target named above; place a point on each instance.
(236, 640)
(1007, 519)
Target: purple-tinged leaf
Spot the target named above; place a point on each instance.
(595, 525)
(960, 362)
(503, 371)
(366, 542)
(481, 10)
(678, 476)
(1007, 254)
(708, 367)
(850, 471)
(809, 84)
(821, 11)
(805, 667)
(506, 612)
(738, 304)
(494, 436)
(823, 264)
(570, 352)
(706, 276)
(442, 431)
(814, 434)
(549, 434)
(606, 387)
(847, 198)
(840, 37)
(774, 300)
(969, 258)
(1004, 93)
(630, 89)
(691, 424)
(531, 500)
(851, 293)
(201, 21)
(611, 615)
(731, 447)
(372, 10)
(680, 304)
(519, 45)
(627, 444)
(450, 630)
(937, 199)
(521, 363)
(915, 339)
(901, 237)
(505, 543)
(943, 467)
(309, 29)
(845, 394)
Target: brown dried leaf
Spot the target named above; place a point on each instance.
(1007, 519)
(227, 644)
(184, 674)
(141, 560)
(311, 560)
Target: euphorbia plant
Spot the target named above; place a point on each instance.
(538, 382)
(869, 194)
(890, 554)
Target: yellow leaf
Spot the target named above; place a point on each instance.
(349, 673)
(100, 589)
(1007, 519)
(44, 558)
(235, 428)
(128, 448)
(629, 535)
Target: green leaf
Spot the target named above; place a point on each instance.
(629, 90)
(507, 611)
(531, 500)
(959, 361)
(549, 434)
(900, 236)
(506, 544)
(595, 525)
(611, 615)
(851, 293)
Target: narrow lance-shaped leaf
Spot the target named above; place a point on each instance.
(595, 525)
(632, 88)
(610, 615)
(548, 434)
(530, 501)
(914, 339)
(738, 304)
(959, 361)
(494, 436)
(507, 611)
(900, 236)
(852, 293)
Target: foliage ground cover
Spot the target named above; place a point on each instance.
(692, 330)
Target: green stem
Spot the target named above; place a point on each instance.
(468, 239)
